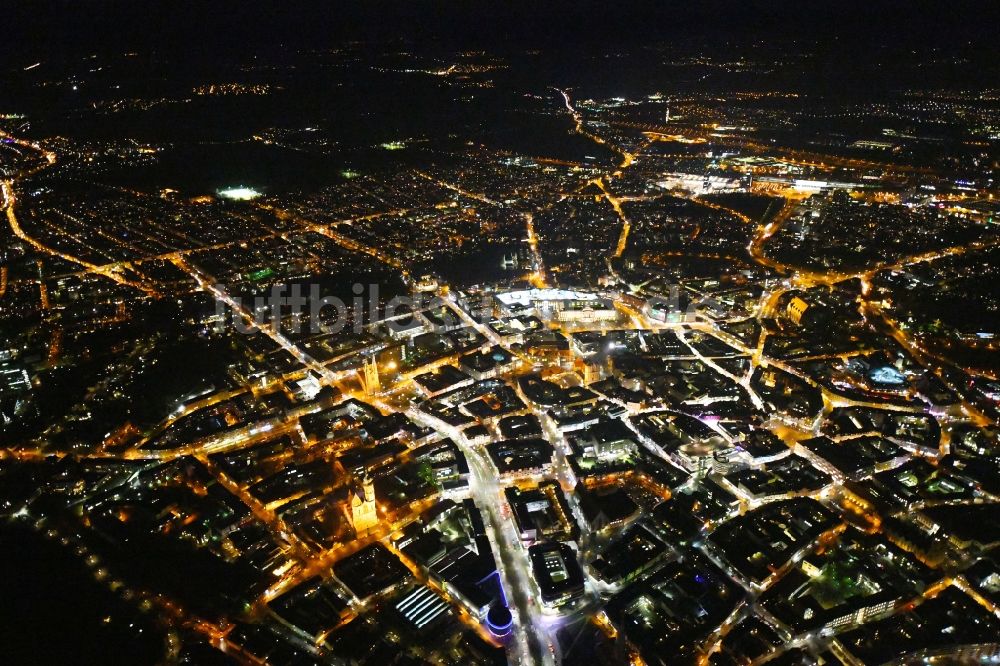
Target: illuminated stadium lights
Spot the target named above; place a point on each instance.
(239, 193)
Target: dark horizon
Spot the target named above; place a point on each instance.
(229, 26)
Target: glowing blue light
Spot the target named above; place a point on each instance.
(887, 375)
(505, 627)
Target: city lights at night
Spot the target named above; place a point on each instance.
(468, 333)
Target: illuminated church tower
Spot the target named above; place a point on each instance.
(363, 514)
(371, 383)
